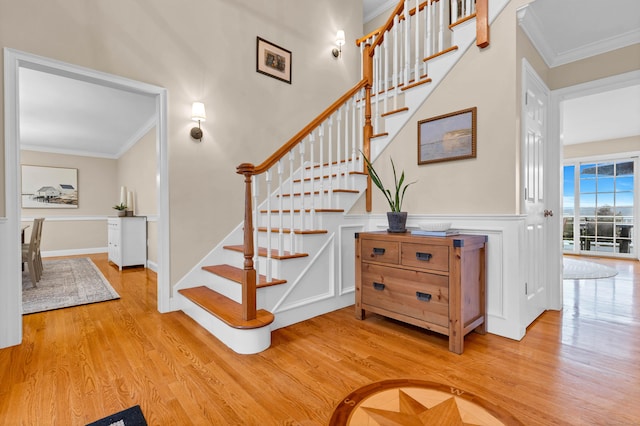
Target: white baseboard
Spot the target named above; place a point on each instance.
(74, 252)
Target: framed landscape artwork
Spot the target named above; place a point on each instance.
(447, 137)
(49, 187)
(273, 60)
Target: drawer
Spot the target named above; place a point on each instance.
(380, 251)
(415, 294)
(425, 256)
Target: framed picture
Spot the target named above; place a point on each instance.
(273, 60)
(49, 187)
(447, 137)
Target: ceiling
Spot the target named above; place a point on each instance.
(59, 114)
(64, 115)
(570, 30)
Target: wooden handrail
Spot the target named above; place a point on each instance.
(284, 149)
(367, 37)
(386, 27)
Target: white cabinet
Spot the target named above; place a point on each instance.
(127, 240)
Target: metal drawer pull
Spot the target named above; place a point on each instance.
(378, 251)
(423, 297)
(423, 256)
(378, 286)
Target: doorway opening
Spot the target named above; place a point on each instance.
(599, 207)
(14, 60)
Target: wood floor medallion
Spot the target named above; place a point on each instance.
(416, 402)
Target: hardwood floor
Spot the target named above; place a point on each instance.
(580, 366)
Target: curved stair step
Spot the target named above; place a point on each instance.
(225, 309)
(235, 274)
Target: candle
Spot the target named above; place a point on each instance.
(130, 201)
(123, 195)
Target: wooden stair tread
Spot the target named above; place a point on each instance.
(435, 55)
(410, 86)
(334, 175)
(306, 210)
(332, 163)
(295, 231)
(399, 110)
(235, 274)
(225, 309)
(262, 252)
(326, 191)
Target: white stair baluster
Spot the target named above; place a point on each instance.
(256, 224)
(268, 259)
(280, 211)
(338, 115)
(407, 42)
(302, 182)
(385, 45)
(347, 139)
(396, 77)
(440, 8)
(454, 11)
(292, 247)
(329, 190)
(416, 66)
(354, 139)
(428, 30)
(312, 214)
(361, 133)
(322, 179)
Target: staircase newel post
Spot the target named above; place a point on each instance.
(249, 273)
(367, 63)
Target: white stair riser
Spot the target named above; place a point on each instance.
(312, 220)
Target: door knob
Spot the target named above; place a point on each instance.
(548, 213)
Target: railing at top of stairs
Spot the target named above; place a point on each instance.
(394, 58)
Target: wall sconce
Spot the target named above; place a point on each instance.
(197, 114)
(337, 51)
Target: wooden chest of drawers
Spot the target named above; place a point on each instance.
(437, 283)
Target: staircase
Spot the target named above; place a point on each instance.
(281, 265)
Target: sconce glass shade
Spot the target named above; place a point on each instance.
(340, 40)
(197, 112)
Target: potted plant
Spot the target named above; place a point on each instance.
(121, 208)
(396, 217)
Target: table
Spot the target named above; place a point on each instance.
(437, 283)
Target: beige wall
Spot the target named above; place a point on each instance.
(203, 50)
(96, 181)
(606, 65)
(600, 148)
(137, 170)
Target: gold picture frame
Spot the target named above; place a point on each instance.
(447, 137)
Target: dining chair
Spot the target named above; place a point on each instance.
(29, 252)
(39, 267)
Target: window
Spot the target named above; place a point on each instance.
(598, 207)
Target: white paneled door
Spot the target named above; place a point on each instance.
(539, 245)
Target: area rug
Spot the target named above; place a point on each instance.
(65, 283)
(417, 402)
(574, 269)
(130, 417)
